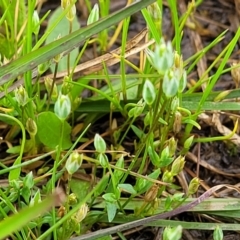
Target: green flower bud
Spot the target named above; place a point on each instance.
(167, 177)
(94, 15)
(147, 120)
(178, 165)
(218, 233)
(172, 233)
(72, 11)
(58, 57)
(177, 124)
(99, 144)
(72, 199)
(74, 162)
(151, 194)
(162, 58)
(172, 144)
(76, 103)
(222, 95)
(66, 86)
(48, 82)
(21, 96)
(43, 67)
(155, 13)
(193, 186)
(81, 213)
(35, 23)
(62, 107)
(149, 94)
(174, 104)
(103, 160)
(188, 142)
(170, 83)
(31, 127)
(235, 72)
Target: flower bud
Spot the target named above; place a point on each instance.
(94, 15)
(72, 11)
(167, 177)
(172, 144)
(155, 13)
(222, 95)
(162, 57)
(178, 165)
(76, 103)
(61, 211)
(99, 144)
(149, 94)
(147, 120)
(103, 160)
(62, 107)
(173, 233)
(193, 186)
(74, 162)
(170, 83)
(72, 199)
(177, 124)
(235, 72)
(58, 57)
(188, 142)
(35, 23)
(81, 213)
(21, 96)
(48, 82)
(31, 127)
(43, 67)
(66, 86)
(151, 194)
(174, 104)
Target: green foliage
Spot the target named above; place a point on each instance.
(51, 129)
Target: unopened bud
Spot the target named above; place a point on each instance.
(31, 127)
(66, 86)
(81, 213)
(155, 13)
(72, 11)
(149, 94)
(235, 71)
(151, 194)
(188, 142)
(177, 125)
(48, 82)
(74, 162)
(172, 144)
(35, 22)
(21, 96)
(178, 165)
(193, 186)
(72, 199)
(94, 15)
(167, 177)
(62, 107)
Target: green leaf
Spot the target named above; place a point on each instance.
(111, 210)
(50, 130)
(127, 187)
(62, 29)
(80, 188)
(109, 197)
(15, 173)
